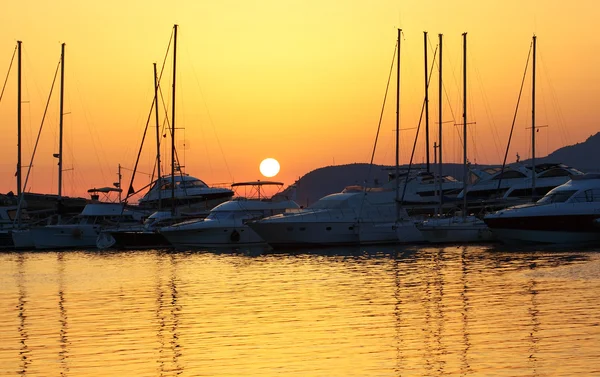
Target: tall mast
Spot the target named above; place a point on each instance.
(173, 122)
(426, 102)
(440, 125)
(465, 170)
(398, 129)
(19, 163)
(60, 142)
(533, 172)
(157, 135)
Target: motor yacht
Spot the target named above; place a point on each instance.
(568, 214)
(226, 224)
(346, 218)
(189, 194)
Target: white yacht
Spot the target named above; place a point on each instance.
(81, 231)
(347, 218)
(568, 214)
(226, 224)
(190, 194)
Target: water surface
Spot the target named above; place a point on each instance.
(445, 311)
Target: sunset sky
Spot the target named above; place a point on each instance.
(299, 81)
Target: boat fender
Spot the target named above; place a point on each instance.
(235, 236)
(77, 233)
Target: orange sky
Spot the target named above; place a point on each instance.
(301, 81)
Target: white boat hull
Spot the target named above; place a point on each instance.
(220, 236)
(68, 236)
(307, 234)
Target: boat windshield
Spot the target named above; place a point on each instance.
(191, 184)
(560, 196)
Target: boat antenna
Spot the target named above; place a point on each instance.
(440, 123)
(426, 101)
(398, 127)
(173, 121)
(533, 171)
(157, 134)
(465, 168)
(61, 113)
(19, 163)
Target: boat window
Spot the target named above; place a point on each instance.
(559, 196)
(192, 184)
(510, 174)
(592, 195)
(473, 178)
(492, 171)
(218, 215)
(554, 173)
(328, 204)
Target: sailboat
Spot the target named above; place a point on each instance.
(461, 227)
(171, 198)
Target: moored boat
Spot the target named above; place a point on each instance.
(568, 214)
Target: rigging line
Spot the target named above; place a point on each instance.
(8, 73)
(418, 128)
(566, 137)
(130, 190)
(387, 86)
(515, 117)
(383, 107)
(36, 144)
(211, 122)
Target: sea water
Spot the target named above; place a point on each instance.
(389, 311)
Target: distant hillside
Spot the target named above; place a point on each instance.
(583, 156)
(330, 179)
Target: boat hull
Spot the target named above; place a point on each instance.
(132, 240)
(455, 234)
(65, 237)
(217, 236)
(528, 236)
(456, 230)
(22, 239)
(6, 241)
(576, 227)
(316, 234)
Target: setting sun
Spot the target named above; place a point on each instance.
(269, 167)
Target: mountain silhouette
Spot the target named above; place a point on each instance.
(327, 180)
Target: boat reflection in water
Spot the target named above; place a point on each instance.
(361, 311)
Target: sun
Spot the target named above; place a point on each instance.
(269, 167)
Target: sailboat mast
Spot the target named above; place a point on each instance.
(398, 129)
(440, 126)
(426, 101)
(19, 163)
(60, 141)
(173, 121)
(533, 171)
(157, 135)
(465, 169)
